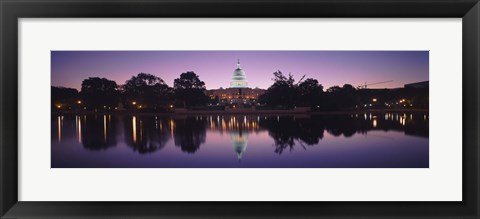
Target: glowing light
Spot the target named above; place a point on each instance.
(374, 99)
(134, 103)
(79, 102)
(374, 123)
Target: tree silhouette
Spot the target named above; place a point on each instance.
(190, 89)
(64, 98)
(309, 93)
(282, 92)
(147, 91)
(341, 98)
(99, 93)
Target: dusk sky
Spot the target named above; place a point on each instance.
(330, 68)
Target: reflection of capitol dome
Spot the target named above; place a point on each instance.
(239, 143)
(239, 79)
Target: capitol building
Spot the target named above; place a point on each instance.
(238, 93)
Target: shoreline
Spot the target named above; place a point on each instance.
(240, 112)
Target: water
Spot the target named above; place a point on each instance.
(387, 140)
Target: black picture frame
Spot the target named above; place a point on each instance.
(12, 10)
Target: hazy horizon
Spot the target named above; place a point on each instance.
(215, 68)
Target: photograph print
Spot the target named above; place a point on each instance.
(239, 109)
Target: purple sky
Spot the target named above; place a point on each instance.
(330, 68)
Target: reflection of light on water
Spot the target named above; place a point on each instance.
(402, 120)
(365, 115)
(172, 126)
(134, 124)
(104, 128)
(59, 129)
(79, 122)
(374, 123)
(424, 117)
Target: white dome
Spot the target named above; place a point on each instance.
(239, 79)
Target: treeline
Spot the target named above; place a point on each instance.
(143, 91)
(148, 92)
(287, 93)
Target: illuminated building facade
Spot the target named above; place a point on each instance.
(238, 92)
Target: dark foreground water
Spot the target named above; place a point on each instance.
(388, 140)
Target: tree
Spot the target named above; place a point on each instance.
(345, 97)
(282, 92)
(189, 80)
(334, 89)
(64, 98)
(309, 92)
(190, 89)
(146, 90)
(99, 93)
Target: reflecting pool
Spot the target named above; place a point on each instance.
(367, 140)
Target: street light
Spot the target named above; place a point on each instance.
(374, 99)
(79, 102)
(134, 103)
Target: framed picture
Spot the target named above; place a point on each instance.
(228, 109)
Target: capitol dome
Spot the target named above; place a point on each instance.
(239, 79)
